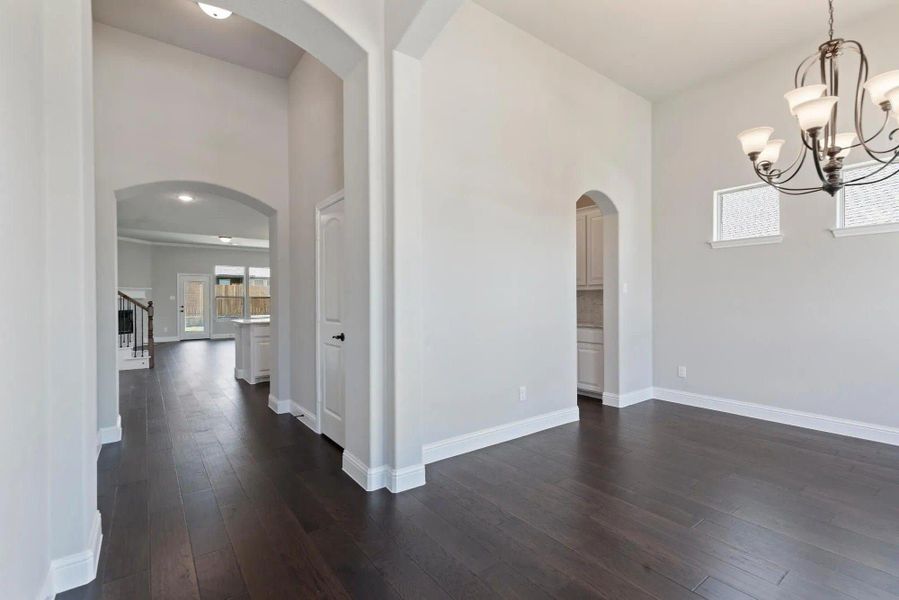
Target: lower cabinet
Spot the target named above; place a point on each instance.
(590, 358)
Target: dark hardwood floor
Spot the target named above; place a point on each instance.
(211, 495)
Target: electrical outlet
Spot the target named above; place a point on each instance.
(682, 372)
(522, 393)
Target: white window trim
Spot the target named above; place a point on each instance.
(752, 241)
(716, 242)
(841, 230)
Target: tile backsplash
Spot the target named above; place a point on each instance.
(589, 307)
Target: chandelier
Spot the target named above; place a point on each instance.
(815, 104)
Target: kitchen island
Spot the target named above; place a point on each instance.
(252, 349)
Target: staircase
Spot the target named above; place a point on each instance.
(135, 321)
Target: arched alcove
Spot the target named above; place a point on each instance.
(611, 317)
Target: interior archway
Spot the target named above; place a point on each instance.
(611, 319)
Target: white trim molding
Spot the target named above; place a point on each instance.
(304, 416)
(223, 336)
(371, 479)
(753, 241)
(476, 440)
(280, 407)
(839, 232)
(406, 479)
(77, 569)
(628, 398)
(111, 435)
(164, 339)
(785, 416)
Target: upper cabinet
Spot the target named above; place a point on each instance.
(589, 248)
(581, 249)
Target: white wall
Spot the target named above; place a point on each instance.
(514, 134)
(24, 413)
(164, 113)
(164, 262)
(809, 324)
(316, 173)
(47, 424)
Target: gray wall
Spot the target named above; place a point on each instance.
(809, 324)
(163, 263)
(135, 265)
(316, 173)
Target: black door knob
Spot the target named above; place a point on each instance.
(340, 337)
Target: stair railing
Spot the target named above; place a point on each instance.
(136, 327)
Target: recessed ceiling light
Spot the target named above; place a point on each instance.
(214, 11)
(225, 239)
(185, 198)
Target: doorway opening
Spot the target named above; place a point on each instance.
(597, 297)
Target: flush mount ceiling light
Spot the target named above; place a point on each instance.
(185, 198)
(815, 105)
(225, 239)
(214, 11)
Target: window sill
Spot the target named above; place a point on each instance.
(865, 230)
(755, 241)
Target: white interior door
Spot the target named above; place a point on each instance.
(193, 307)
(330, 321)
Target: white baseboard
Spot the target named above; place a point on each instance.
(306, 417)
(628, 398)
(476, 440)
(847, 427)
(223, 336)
(406, 479)
(111, 435)
(281, 407)
(163, 339)
(395, 480)
(77, 569)
(369, 479)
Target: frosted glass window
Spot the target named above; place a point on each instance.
(747, 212)
(873, 204)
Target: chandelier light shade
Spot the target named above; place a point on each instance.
(754, 140)
(804, 94)
(815, 114)
(816, 102)
(880, 85)
(772, 151)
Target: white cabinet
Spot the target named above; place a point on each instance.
(589, 248)
(590, 368)
(252, 341)
(581, 249)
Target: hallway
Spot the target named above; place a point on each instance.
(213, 496)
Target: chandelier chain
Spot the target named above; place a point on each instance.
(830, 22)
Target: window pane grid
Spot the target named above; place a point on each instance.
(872, 204)
(748, 213)
(229, 292)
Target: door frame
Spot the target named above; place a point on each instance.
(180, 300)
(319, 208)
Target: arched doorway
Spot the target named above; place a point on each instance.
(598, 287)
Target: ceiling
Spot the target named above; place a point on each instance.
(659, 47)
(181, 23)
(160, 217)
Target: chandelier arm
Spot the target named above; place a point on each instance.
(800, 160)
(860, 92)
(817, 160)
(780, 188)
(802, 69)
(883, 127)
(862, 180)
